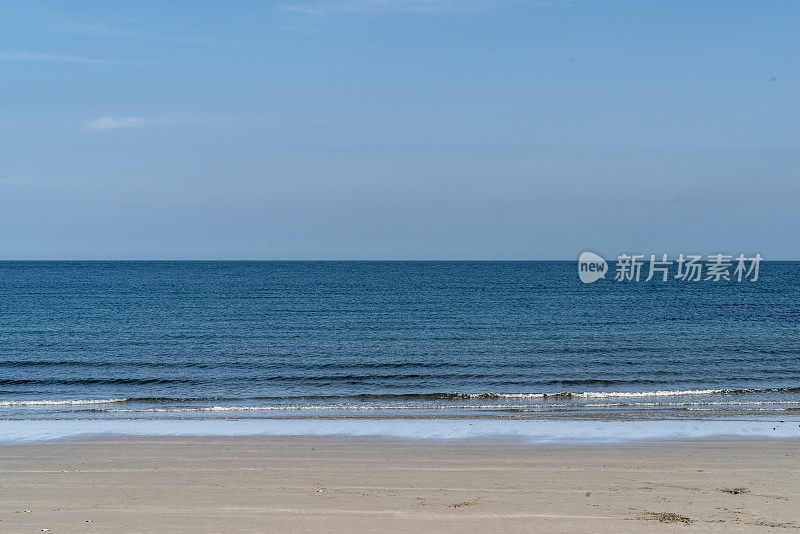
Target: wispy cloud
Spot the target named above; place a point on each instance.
(113, 123)
(18, 55)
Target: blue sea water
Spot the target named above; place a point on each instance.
(402, 345)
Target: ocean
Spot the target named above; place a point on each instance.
(407, 348)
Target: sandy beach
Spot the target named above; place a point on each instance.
(373, 485)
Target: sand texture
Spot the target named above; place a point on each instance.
(371, 485)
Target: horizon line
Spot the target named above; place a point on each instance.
(299, 260)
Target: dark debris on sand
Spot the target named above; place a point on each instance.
(735, 491)
(666, 517)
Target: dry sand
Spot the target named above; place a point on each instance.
(357, 485)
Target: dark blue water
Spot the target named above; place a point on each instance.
(511, 339)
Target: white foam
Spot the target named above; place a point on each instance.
(77, 402)
(437, 407)
(511, 395)
(598, 394)
(329, 407)
(669, 393)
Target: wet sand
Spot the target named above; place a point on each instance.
(373, 485)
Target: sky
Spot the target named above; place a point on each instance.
(398, 129)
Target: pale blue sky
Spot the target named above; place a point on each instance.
(421, 129)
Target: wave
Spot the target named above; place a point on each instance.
(402, 381)
(421, 397)
(553, 395)
(289, 408)
(77, 402)
(613, 357)
(96, 381)
(668, 393)
(755, 405)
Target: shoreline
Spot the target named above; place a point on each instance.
(344, 484)
(493, 442)
(530, 431)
